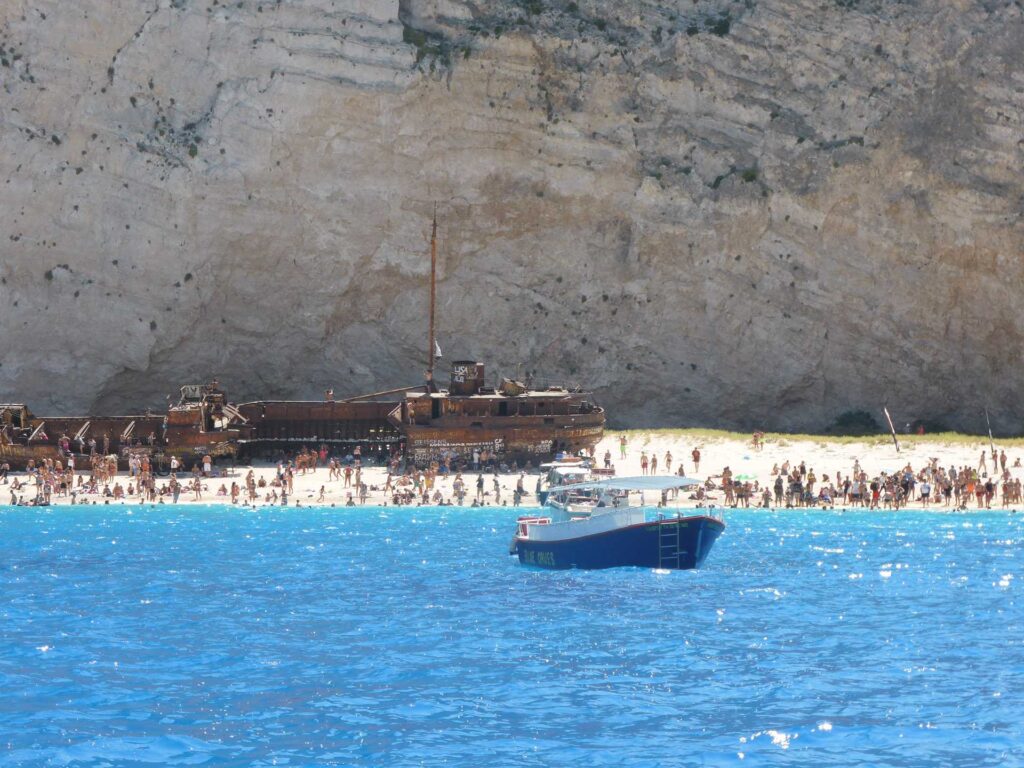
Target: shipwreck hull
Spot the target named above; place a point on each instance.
(18, 456)
(290, 425)
(512, 443)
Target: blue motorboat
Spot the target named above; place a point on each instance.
(595, 525)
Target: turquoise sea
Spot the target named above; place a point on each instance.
(407, 636)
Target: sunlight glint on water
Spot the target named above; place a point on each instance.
(408, 636)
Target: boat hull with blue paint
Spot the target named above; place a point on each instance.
(678, 543)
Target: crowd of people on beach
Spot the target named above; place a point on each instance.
(94, 478)
(930, 485)
(98, 480)
(799, 486)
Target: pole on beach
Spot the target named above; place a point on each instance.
(431, 344)
(892, 429)
(991, 440)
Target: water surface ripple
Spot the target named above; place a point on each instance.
(401, 637)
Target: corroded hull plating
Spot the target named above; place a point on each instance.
(18, 456)
(507, 437)
(674, 543)
(280, 423)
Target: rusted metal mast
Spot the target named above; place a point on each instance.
(433, 285)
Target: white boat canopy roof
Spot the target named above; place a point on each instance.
(577, 470)
(640, 483)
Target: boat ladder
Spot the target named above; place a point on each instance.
(668, 545)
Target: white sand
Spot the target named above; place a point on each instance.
(824, 457)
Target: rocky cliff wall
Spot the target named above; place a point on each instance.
(722, 213)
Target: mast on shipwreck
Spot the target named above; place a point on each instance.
(431, 341)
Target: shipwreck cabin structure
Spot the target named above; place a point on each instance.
(509, 422)
(18, 430)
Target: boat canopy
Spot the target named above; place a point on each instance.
(640, 483)
(576, 470)
(570, 462)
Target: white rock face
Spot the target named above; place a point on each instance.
(716, 213)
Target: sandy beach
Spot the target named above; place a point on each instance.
(821, 456)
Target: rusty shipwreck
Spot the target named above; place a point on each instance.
(423, 423)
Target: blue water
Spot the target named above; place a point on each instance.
(404, 637)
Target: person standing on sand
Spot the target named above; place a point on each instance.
(643, 462)
(1002, 460)
(480, 487)
(982, 467)
(727, 486)
(622, 447)
(654, 464)
(668, 462)
(695, 455)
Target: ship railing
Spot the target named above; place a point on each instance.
(714, 512)
(234, 413)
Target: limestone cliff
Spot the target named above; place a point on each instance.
(725, 213)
